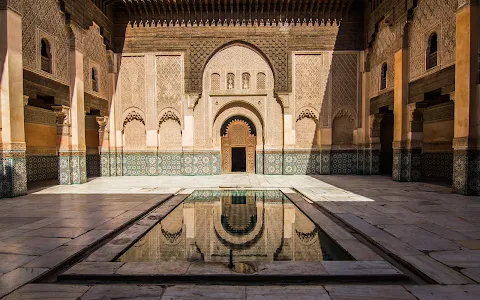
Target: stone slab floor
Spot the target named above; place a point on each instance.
(423, 225)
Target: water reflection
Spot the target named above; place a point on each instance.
(237, 226)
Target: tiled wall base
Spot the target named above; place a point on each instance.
(437, 164)
(466, 172)
(93, 165)
(164, 163)
(42, 167)
(407, 164)
(293, 163)
(368, 162)
(72, 168)
(13, 174)
(343, 162)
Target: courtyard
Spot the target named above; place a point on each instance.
(57, 236)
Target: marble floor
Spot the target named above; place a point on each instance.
(425, 226)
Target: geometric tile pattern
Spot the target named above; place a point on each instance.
(344, 162)
(72, 168)
(93, 165)
(168, 163)
(437, 164)
(13, 175)
(407, 164)
(42, 167)
(466, 171)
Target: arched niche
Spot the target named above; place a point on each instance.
(306, 128)
(343, 125)
(134, 131)
(169, 130)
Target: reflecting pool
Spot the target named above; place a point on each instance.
(236, 228)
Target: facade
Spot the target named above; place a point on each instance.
(145, 88)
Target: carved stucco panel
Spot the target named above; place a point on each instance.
(95, 56)
(383, 52)
(345, 81)
(432, 16)
(45, 16)
(169, 82)
(132, 83)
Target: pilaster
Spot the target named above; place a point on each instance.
(104, 146)
(13, 170)
(111, 152)
(406, 156)
(72, 147)
(466, 143)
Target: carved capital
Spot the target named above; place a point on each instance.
(62, 113)
(25, 100)
(102, 123)
(452, 96)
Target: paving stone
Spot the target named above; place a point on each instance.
(473, 273)
(100, 268)
(286, 293)
(368, 292)
(450, 292)
(359, 268)
(198, 292)
(154, 268)
(291, 268)
(358, 250)
(395, 246)
(202, 268)
(9, 262)
(79, 223)
(89, 237)
(442, 231)
(106, 253)
(131, 292)
(435, 270)
(337, 233)
(461, 258)
(470, 244)
(48, 291)
(420, 238)
(55, 257)
(18, 277)
(31, 245)
(57, 232)
(362, 226)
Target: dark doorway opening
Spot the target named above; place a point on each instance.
(239, 159)
(386, 140)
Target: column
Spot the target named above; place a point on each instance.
(13, 169)
(406, 160)
(103, 145)
(151, 156)
(369, 136)
(466, 142)
(113, 150)
(62, 113)
(72, 159)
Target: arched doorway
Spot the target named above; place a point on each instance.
(238, 145)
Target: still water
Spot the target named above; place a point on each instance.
(235, 228)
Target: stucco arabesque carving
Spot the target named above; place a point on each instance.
(307, 113)
(133, 115)
(169, 115)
